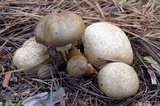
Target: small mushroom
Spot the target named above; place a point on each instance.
(29, 55)
(118, 80)
(77, 66)
(74, 52)
(60, 29)
(105, 42)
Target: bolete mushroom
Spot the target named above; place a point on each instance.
(118, 80)
(103, 41)
(30, 54)
(77, 66)
(60, 29)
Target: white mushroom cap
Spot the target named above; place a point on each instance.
(118, 80)
(60, 29)
(103, 41)
(30, 54)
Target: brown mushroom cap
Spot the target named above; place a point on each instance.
(77, 66)
(59, 29)
(118, 80)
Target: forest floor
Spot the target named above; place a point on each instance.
(139, 19)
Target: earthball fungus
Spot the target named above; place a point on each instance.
(103, 41)
(30, 54)
(118, 80)
(59, 29)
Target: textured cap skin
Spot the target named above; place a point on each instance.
(59, 29)
(30, 54)
(103, 41)
(118, 80)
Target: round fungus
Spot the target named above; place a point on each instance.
(103, 41)
(118, 80)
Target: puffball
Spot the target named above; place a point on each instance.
(118, 80)
(103, 41)
(30, 54)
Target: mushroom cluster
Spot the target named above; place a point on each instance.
(105, 45)
(57, 30)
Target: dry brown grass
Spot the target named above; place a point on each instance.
(139, 20)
